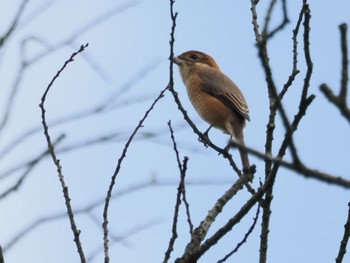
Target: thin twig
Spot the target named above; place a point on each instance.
(180, 192)
(109, 103)
(250, 230)
(68, 41)
(342, 107)
(295, 70)
(29, 167)
(96, 21)
(119, 240)
(14, 23)
(307, 54)
(268, 18)
(182, 169)
(284, 22)
(274, 104)
(345, 239)
(116, 172)
(187, 206)
(269, 34)
(56, 161)
(345, 61)
(340, 101)
(25, 63)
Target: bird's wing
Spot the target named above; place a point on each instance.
(218, 85)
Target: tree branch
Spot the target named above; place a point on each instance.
(14, 23)
(56, 161)
(340, 101)
(269, 34)
(345, 239)
(194, 249)
(250, 230)
(116, 172)
(180, 192)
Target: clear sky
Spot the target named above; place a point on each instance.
(126, 65)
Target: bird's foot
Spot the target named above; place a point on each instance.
(228, 146)
(205, 138)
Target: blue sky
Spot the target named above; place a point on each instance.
(307, 216)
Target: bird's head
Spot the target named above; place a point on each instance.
(193, 60)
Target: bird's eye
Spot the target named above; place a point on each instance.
(194, 57)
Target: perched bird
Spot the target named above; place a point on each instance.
(215, 97)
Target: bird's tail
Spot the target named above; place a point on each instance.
(244, 157)
(243, 152)
(237, 133)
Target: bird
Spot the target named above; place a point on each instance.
(215, 97)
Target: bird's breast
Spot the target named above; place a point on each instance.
(208, 107)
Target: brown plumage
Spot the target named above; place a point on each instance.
(216, 97)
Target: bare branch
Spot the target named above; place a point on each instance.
(269, 34)
(29, 167)
(56, 161)
(345, 61)
(276, 105)
(121, 237)
(87, 208)
(116, 172)
(14, 23)
(36, 12)
(268, 18)
(68, 41)
(182, 169)
(109, 103)
(340, 101)
(83, 29)
(250, 230)
(275, 102)
(194, 250)
(180, 191)
(10, 101)
(187, 206)
(345, 239)
(300, 168)
(295, 70)
(336, 100)
(307, 55)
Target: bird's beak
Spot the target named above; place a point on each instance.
(177, 60)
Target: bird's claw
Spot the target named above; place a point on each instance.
(204, 139)
(227, 147)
